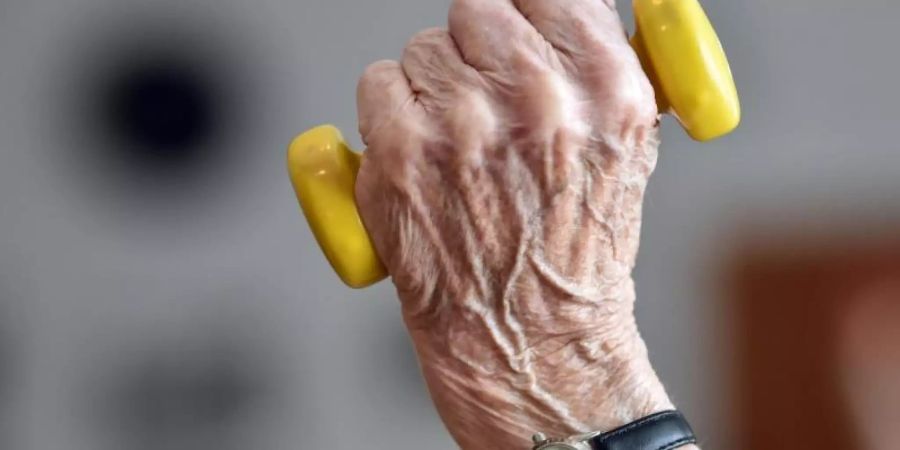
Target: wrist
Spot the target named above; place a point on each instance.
(494, 387)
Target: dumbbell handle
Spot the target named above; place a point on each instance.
(680, 52)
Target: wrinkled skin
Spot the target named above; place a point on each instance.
(506, 166)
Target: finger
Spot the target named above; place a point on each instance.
(585, 31)
(383, 95)
(494, 37)
(594, 47)
(436, 70)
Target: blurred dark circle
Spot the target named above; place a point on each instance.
(160, 113)
(152, 113)
(165, 110)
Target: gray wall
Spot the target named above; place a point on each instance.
(149, 311)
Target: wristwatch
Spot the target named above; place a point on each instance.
(666, 430)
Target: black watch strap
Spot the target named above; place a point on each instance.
(661, 431)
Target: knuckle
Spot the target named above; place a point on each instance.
(426, 37)
(375, 82)
(378, 72)
(425, 45)
(623, 89)
(460, 8)
(466, 14)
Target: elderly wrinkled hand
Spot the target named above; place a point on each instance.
(502, 186)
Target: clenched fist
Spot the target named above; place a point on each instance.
(506, 166)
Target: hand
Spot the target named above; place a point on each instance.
(506, 166)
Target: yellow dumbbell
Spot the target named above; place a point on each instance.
(678, 49)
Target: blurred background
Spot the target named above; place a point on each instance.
(160, 290)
